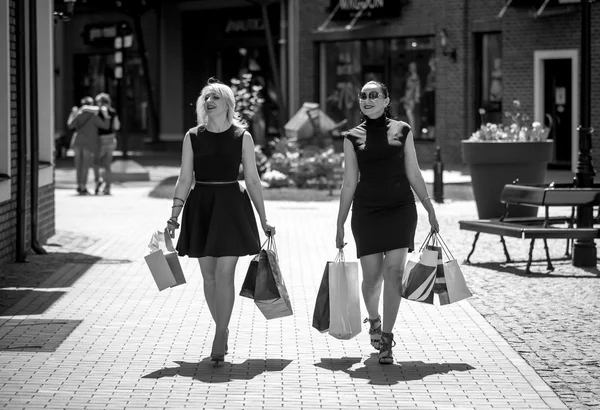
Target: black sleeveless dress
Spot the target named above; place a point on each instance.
(218, 219)
(384, 214)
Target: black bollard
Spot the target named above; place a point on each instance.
(438, 177)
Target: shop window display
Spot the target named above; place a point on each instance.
(490, 72)
(406, 65)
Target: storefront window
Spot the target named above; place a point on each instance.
(490, 52)
(405, 65)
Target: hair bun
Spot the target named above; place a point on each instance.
(213, 80)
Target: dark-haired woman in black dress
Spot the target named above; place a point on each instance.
(218, 224)
(381, 172)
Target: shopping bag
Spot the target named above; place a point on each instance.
(249, 284)
(270, 294)
(321, 312)
(163, 261)
(456, 288)
(440, 291)
(420, 274)
(344, 299)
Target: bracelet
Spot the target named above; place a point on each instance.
(177, 206)
(173, 222)
(425, 199)
(179, 199)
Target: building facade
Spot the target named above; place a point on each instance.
(443, 62)
(27, 127)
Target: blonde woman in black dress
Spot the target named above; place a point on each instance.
(218, 224)
(381, 172)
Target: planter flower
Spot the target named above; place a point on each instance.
(519, 128)
(499, 154)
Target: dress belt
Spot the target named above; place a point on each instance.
(216, 182)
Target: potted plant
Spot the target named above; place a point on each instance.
(499, 154)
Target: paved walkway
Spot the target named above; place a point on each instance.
(98, 334)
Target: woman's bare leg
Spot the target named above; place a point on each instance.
(392, 269)
(372, 281)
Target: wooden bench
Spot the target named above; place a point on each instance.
(546, 227)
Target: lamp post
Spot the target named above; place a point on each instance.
(584, 251)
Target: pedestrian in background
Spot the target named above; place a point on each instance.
(108, 144)
(380, 173)
(86, 120)
(218, 224)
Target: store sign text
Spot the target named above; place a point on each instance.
(236, 26)
(361, 4)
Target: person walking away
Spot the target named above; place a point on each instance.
(108, 144)
(381, 172)
(86, 121)
(218, 224)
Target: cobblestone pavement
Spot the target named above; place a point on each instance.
(97, 334)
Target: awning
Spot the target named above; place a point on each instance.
(348, 26)
(539, 7)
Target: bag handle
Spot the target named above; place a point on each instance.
(340, 256)
(426, 241)
(445, 247)
(271, 246)
(168, 241)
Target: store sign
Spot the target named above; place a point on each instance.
(103, 34)
(245, 25)
(347, 9)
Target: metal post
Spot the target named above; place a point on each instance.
(584, 251)
(438, 177)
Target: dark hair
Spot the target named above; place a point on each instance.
(213, 80)
(103, 98)
(87, 101)
(385, 92)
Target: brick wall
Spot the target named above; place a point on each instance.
(8, 210)
(455, 93)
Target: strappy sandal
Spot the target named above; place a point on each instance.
(385, 350)
(374, 331)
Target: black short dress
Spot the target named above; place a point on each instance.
(218, 219)
(384, 214)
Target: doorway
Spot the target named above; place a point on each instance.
(556, 103)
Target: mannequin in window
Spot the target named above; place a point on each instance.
(496, 81)
(429, 99)
(412, 94)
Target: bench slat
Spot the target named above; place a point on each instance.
(516, 230)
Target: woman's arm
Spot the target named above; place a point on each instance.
(415, 178)
(253, 181)
(348, 189)
(186, 177)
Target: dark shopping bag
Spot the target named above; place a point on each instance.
(322, 312)
(249, 284)
(270, 294)
(420, 273)
(453, 288)
(163, 261)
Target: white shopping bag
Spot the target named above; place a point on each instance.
(344, 298)
(164, 262)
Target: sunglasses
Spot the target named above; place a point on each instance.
(373, 95)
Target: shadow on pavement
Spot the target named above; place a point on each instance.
(539, 269)
(388, 375)
(206, 372)
(165, 188)
(31, 280)
(35, 335)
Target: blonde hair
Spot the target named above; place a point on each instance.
(226, 93)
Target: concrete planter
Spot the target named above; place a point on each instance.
(495, 164)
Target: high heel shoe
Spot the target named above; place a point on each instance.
(217, 357)
(374, 331)
(385, 351)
